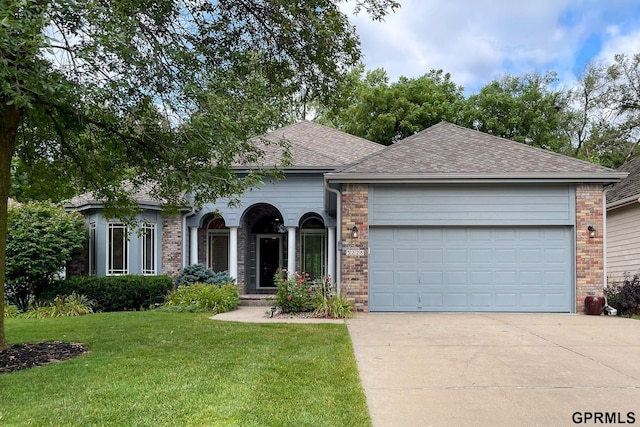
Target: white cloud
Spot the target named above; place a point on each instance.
(480, 40)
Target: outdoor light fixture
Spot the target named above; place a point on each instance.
(592, 231)
(354, 231)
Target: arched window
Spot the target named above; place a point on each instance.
(217, 245)
(313, 247)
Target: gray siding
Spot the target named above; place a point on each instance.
(293, 196)
(623, 242)
(471, 205)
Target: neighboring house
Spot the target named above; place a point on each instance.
(449, 219)
(623, 224)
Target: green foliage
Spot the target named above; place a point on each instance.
(198, 273)
(203, 298)
(119, 94)
(625, 295)
(386, 113)
(41, 238)
(71, 305)
(298, 293)
(113, 293)
(10, 310)
(523, 108)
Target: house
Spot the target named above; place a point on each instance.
(623, 224)
(449, 219)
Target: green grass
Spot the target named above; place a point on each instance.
(181, 369)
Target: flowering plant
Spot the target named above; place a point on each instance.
(296, 292)
(300, 293)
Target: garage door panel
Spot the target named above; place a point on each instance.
(471, 269)
(456, 301)
(407, 255)
(383, 256)
(404, 278)
(481, 300)
(407, 300)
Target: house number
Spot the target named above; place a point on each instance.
(355, 252)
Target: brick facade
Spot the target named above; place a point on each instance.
(589, 251)
(355, 250)
(171, 245)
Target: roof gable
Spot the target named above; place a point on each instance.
(451, 150)
(629, 187)
(313, 145)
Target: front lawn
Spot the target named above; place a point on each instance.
(181, 369)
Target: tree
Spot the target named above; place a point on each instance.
(42, 238)
(386, 113)
(159, 92)
(522, 108)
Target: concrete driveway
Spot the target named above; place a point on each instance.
(455, 369)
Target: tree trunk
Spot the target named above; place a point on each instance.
(9, 122)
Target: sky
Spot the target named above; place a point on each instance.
(478, 41)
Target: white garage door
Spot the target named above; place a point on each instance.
(511, 269)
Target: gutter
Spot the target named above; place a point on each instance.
(608, 177)
(338, 247)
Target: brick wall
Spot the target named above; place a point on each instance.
(171, 245)
(589, 251)
(355, 264)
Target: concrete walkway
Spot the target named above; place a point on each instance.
(462, 369)
(459, 369)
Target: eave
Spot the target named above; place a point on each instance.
(472, 178)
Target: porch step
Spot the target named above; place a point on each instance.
(265, 300)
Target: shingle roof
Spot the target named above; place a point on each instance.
(451, 150)
(142, 196)
(629, 187)
(315, 146)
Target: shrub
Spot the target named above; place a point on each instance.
(114, 293)
(298, 293)
(198, 273)
(71, 305)
(41, 238)
(625, 295)
(10, 310)
(203, 298)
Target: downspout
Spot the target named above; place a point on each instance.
(192, 212)
(338, 236)
(604, 236)
(607, 309)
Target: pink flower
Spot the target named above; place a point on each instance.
(310, 290)
(289, 298)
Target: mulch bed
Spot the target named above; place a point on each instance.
(24, 356)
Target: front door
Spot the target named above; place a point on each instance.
(269, 259)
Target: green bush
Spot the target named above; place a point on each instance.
(41, 238)
(71, 305)
(198, 273)
(113, 293)
(203, 298)
(296, 293)
(10, 310)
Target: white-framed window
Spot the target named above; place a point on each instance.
(313, 248)
(117, 250)
(92, 249)
(149, 245)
